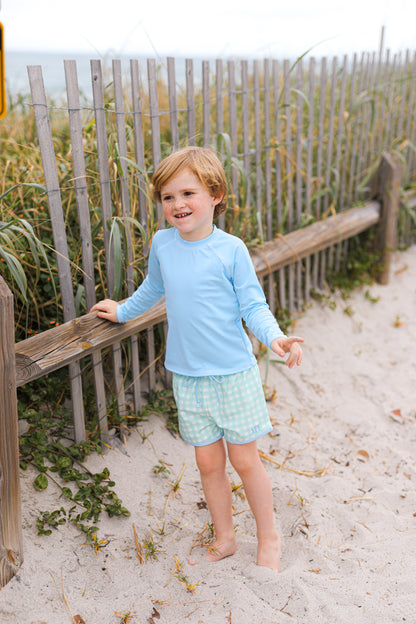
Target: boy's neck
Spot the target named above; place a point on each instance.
(194, 239)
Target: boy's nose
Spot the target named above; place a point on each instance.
(179, 202)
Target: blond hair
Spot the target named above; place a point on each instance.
(203, 163)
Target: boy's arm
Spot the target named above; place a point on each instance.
(148, 293)
(140, 301)
(252, 301)
(257, 314)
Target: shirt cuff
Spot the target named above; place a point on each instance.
(120, 313)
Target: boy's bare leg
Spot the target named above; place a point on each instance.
(211, 462)
(246, 461)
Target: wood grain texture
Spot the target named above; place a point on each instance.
(56, 212)
(74, 340)
(390, 178)
(81, 192)
(106, 209)
(288, 249)
(125, 202)
(11, 544)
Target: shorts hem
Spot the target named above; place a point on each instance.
(256, 437)
(201, 443)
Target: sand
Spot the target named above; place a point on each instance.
(343, 444)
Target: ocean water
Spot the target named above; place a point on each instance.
(17, 81)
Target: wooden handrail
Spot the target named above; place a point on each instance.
(71, 341)
(299, 244)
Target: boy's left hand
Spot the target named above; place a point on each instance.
(288, 344)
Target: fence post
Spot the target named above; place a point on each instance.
(390, 176)
(11, 542)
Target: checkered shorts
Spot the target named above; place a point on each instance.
(211, 407)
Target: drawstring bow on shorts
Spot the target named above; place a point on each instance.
(214, 382)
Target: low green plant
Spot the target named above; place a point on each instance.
(150, 548)
(361, 267)
(369, 296)
(323, 298)
(46, 446)
(181, 578)
(42, 447)
(161, 468)
(162, 401)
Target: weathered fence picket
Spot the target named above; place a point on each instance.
(40, 110)
(190, 102)
(245, 117)
(11, 541)
(173, 107)
(410, 132)
(232, 112)
(106, 210)
(206, 105)
(219, 115)
(127, 228)
(81, 191)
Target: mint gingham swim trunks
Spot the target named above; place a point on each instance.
(211, 407)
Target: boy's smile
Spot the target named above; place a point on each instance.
(188, 206)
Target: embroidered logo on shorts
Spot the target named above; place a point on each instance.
(256, 429)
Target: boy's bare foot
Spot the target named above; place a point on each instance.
(268, 552)
(218, 550)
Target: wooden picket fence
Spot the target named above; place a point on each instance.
(286, 153)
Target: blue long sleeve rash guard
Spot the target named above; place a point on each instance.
(210, 285)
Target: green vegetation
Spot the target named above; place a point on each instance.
(46, 446)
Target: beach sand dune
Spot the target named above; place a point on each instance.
(341, 458)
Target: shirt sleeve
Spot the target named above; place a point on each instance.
(253, 305)
(148, 293)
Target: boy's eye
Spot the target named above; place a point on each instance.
(166, 197)
(188, 193)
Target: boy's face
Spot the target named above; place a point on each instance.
(188, 206)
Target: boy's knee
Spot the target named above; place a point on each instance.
(242, 462)
(208, 462)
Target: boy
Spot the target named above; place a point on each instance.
(210, 285)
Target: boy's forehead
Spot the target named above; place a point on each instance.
(183, 177)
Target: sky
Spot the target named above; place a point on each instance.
(214, 29)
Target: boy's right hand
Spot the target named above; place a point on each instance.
(106, 309)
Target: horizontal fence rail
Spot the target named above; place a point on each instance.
(302, 243)
(71, 341)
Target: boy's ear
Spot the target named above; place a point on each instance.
(218, 199)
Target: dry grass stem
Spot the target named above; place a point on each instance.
(237, 488)
(305, 473)
(138, 546)
(174, 487)
(75, 619)
(181, 578)
(204, 538)
(357, 498)
(150, 548)
(97, 545)
(125, 617)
